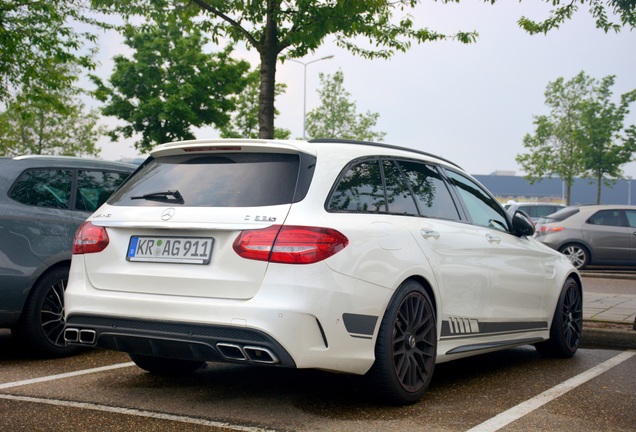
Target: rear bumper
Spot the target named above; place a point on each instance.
(321, 320)
(176, 340)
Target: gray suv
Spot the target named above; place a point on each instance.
(43, 200)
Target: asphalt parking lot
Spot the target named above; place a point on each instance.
(511, 390)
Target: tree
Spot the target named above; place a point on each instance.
(606, 144)
(336, 117)
(582, 136)
(553, 148)
(44, 121)
(291, 29)
(33, 33)
(244, 121)
(170, 84)
(624, 10)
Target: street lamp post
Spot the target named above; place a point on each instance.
(305, 87)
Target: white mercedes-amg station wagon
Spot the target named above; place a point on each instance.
(351, 257)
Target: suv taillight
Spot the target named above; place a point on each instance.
(290, 244)
(90, 239)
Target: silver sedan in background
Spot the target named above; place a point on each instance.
(592, 234)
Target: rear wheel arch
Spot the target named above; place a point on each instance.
(428, 288)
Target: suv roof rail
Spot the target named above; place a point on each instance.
(375, 144)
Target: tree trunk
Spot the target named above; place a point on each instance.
(599, 179)
(269, 56)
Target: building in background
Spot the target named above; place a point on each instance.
(506, 186)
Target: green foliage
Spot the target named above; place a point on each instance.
(624, 10)
(293, 29)
(44, 121)
(336, 117)
(583, 135)
(244, 121)
(170, 84)
(36, 33)
(604, 141)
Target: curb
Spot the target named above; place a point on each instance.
(610, 338)
(593, 274)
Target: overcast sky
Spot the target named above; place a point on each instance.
(469, 103)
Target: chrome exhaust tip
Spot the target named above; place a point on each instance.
(87, 337)
(231, 351)
(71, 335)
(260, 355)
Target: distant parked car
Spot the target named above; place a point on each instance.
(592, 235)
(43, 200)
(352, 257)
(535, 210)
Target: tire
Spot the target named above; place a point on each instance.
(165, 366)
(578, 255)
(405, 349)
(567, 324)
(41, 326)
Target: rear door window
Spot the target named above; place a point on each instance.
(48, 188)
(430, 191)
(219, 180)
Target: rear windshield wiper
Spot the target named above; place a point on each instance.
(162, 196)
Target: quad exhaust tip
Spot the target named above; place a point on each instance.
(81, 336)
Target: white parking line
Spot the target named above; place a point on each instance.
(64, 375)
(536, 402)
(135, 412)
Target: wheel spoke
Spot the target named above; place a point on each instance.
(572, 317)
(414, 342)
(52, 313)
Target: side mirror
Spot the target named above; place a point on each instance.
(522, 225)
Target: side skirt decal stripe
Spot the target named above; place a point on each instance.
(463, 327)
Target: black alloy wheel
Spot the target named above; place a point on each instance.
(41, 326)
(406, 347)
(567, 324)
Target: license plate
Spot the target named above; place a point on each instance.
(182, 250)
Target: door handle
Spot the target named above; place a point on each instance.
(427, 234)
(493, 239)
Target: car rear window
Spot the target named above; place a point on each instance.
(560, 215)
(223, 180)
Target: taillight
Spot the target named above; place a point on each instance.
(90, 239)
(543, 230)
(290, 244)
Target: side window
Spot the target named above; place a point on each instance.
(631, 218)
(49, 188)
(359, 189)
(94, 188)
(398, 195)
(608, 218)
(483, 209)
(432, 195)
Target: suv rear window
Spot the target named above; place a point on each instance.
(220, 180)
